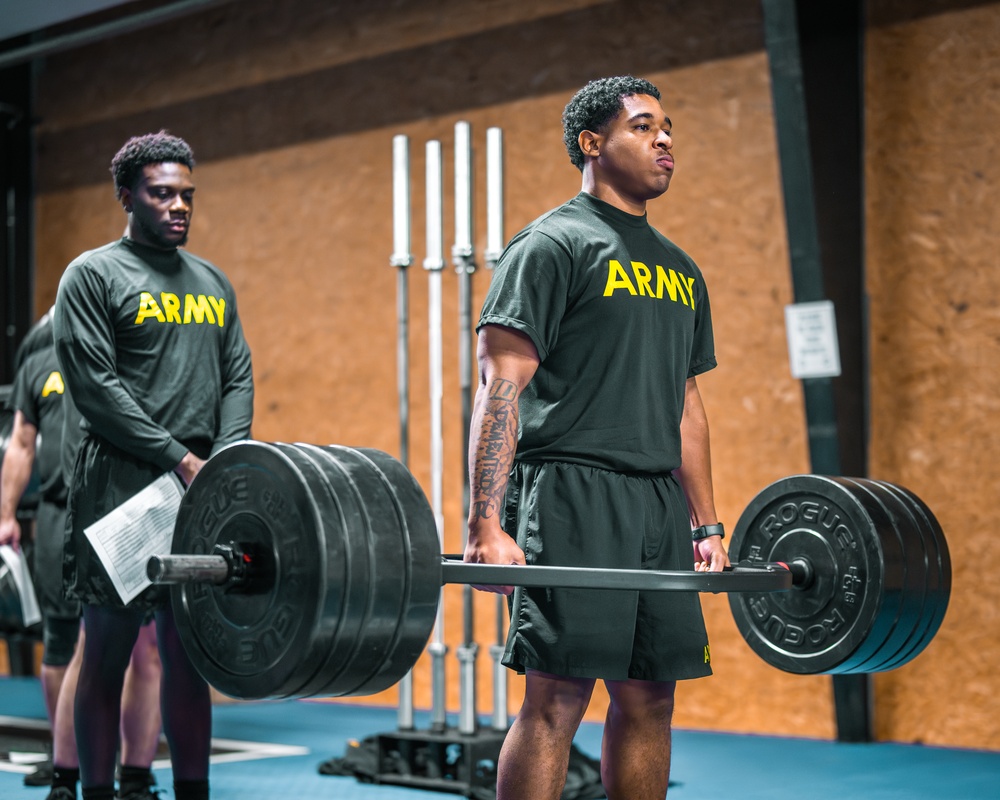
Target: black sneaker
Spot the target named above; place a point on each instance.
(61, 793)
(147, 793)
(41, 775)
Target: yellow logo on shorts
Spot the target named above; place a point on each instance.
(708, 654)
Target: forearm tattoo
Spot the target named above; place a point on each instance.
(494, 449)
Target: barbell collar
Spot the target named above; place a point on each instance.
(237, 567)
(802, 571)
(764, 577)
(168, 569)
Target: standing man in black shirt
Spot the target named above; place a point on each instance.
(151, 345)
(593, 332)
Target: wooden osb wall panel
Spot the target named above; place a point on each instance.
(291, 109)
(933, 178)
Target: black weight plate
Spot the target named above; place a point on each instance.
(251, 645)
(345, 586)
(416, 541)
(916, 597)
(905, 582)
(938, 575)
(812, 629)
(376, 571)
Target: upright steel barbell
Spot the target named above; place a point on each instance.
(302, 570)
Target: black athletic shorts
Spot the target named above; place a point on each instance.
(50, 538)
(104, 478)
(60, 615)
(570, 515)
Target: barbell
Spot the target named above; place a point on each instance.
(301, 570)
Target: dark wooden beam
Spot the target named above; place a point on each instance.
(815, 51)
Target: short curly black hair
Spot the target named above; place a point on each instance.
(595, 105)
(152, 148)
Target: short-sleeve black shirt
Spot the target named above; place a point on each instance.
(620, 317)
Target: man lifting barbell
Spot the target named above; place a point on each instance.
(592, 334)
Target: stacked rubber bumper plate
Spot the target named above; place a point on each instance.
(880, 575)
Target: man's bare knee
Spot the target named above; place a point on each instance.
(555, 701)
(642, 700)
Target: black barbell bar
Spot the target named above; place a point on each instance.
(232, 569)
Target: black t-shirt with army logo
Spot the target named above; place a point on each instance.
(39, 394)
(153, 351)
(620, 317)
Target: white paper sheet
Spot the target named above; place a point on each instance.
(142, 526)
(30, 613)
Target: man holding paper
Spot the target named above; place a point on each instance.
(152, 349)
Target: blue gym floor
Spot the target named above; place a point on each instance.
(274, 749)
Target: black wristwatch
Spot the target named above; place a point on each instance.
(704, 531)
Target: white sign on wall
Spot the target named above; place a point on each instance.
(813, 351)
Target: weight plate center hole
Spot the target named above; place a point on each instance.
(245, 603)
(814, 569)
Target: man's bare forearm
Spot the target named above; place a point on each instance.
(492, 448)
(695, 472)
(16, 469)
